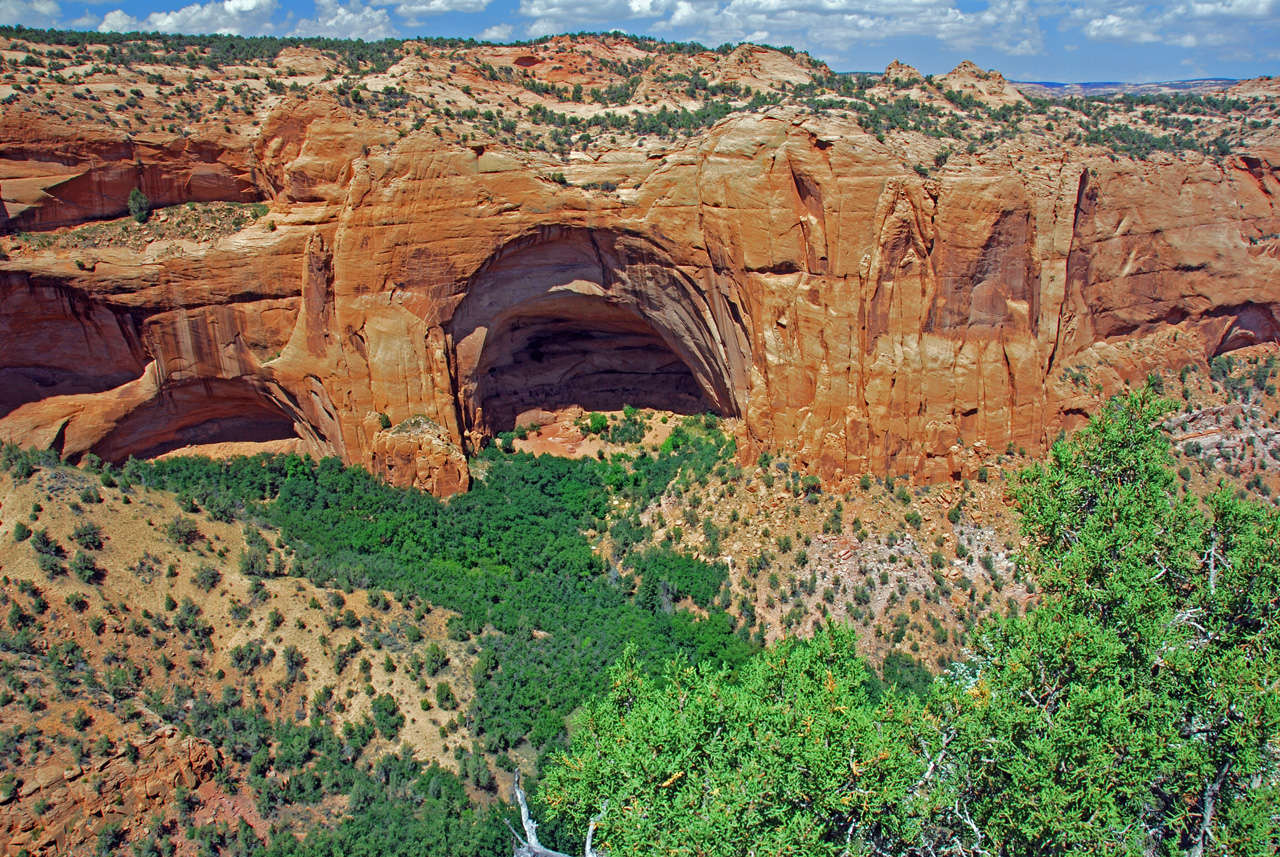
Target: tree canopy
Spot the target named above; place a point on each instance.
(1133, 711)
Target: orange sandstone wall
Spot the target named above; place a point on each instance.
(853, 314)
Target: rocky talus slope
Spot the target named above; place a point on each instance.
(865, 297)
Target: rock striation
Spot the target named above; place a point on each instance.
(784, 268)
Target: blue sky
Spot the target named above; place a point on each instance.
(1026, 39)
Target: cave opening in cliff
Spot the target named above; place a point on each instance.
(213, 416)
(601, 359)
(1249, 324)
(566, 318)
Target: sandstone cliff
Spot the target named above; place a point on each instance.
(785, 267)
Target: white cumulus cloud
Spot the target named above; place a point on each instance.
(838, 30)
(415, 9)
(351, 20)
(839, 27)
(1011, 26)
(497, 33)
(563, 16)
(1187, 24)
(1117, 28)
(235, 17)
(29, 13)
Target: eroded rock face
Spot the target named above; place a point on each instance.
(120, 790)
(781, 268)
(62, 174)
(419, 453)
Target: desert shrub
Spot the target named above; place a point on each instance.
(182, 531)
(85, 568)
(207, 577)
(88, 535)
(445, 697)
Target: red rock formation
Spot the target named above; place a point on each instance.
(783, 268)
(58, 174)
(113, 790)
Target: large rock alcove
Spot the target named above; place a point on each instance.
(83, 375)
(567, 317)
(211, 411)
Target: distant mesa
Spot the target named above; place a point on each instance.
(1049, 89)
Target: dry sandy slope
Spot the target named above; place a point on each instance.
(141, 570)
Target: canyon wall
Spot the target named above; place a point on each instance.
(782, 268)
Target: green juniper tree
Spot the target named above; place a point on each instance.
(701, 761)
(139, 205)
(1135, 710)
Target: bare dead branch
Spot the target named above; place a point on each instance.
(591, 830)
(529, 846)
(935, 760)
(1206, 813)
